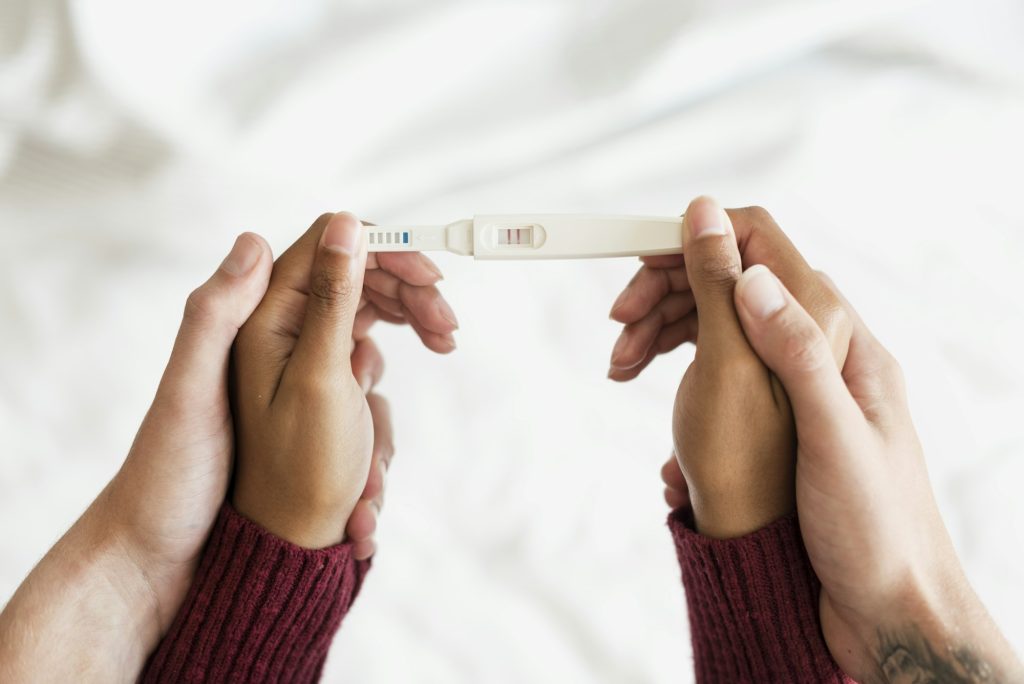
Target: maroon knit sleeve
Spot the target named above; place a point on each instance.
(260, 609)
(753, 604)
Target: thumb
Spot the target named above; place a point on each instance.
(213, 314)
(792, 345)
(712, 266)
(335, 285)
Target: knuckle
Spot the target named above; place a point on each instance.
(828, 310)
(891, 369)
(835, 319)
(882, 388)
(757, 216)
(331, 286)
(824, 290)
(826, 278)
(803, 350)
(201, 306)
(717, 270)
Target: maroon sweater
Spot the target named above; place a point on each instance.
(264, 610)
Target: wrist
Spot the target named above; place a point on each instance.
(737, 489)
(728, 509)
(116, 557)
(88, 596)
(309, 524)
(929, 622)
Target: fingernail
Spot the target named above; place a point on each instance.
(343, 234)
(760, 292)
(704, 218)
(366, 382)
(617, 303)
(620, 344)
(447, 313)
(435, 270)
(243, 255)
(450, 342)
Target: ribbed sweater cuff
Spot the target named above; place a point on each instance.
(260, 609)
(753, 605)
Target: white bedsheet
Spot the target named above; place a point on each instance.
(523, 536)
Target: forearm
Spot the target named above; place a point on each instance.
(84, 613)
(753, 605)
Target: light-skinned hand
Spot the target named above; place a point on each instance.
(895, 603)
(110, 587)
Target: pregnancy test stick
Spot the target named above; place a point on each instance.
(537, 236)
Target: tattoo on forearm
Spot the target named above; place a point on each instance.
(907, 657)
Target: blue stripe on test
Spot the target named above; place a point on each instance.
(405, 238)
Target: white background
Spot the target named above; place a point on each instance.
(523, 537)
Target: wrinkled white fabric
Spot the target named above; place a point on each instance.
(523, 536)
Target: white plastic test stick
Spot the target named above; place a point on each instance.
(537, 236)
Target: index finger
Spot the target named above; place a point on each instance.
(413, 268)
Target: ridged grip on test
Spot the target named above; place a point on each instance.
(405, 238)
